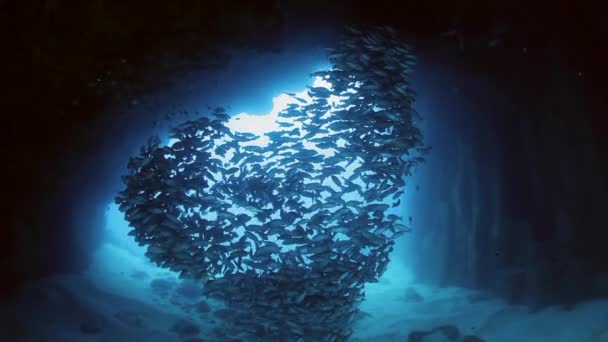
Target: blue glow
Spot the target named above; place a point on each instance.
(258, 124)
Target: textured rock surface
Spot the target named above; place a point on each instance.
(511, 200)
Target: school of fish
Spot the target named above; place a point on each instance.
(287, 233)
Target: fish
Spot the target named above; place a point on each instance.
(291, 230)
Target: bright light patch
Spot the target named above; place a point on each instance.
(261, 124)
(256, 124)
(319, 82)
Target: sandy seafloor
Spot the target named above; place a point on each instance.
(118, 299)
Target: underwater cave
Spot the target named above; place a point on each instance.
(235, 172)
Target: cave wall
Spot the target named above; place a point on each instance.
(85, 83)
(512, 198)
